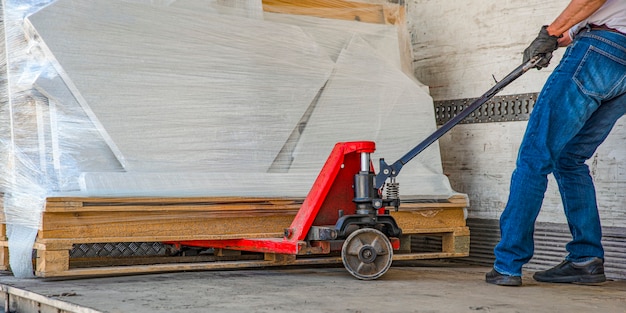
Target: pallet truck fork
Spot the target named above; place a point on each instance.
(345, 210)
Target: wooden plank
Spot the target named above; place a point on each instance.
(280, 259)
(108, 200)
(228, 265)
(452, 243)
(4, 258)
(454, 201)
(61, 204)
(4, 244)
(215, 208)
(227, 252)
(335, 9)
(394, 14)
(132, 225)
(427, 255)
(203, 217)
(52, 261)
(457, 231)
(454, 240)
(3, 226)
(150, 260)
(420, 220)
(54, 244)
(407, 206)
(459, 198)
(260, 207)
(59, 244)
(157, 268)
(405, 244)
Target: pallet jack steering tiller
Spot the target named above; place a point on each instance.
(345, 210)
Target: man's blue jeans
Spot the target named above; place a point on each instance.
(574, 113)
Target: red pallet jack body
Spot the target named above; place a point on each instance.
(345, 209)
(320, 207)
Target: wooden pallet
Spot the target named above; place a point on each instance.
(68, 221)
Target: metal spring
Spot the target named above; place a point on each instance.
(393, 190)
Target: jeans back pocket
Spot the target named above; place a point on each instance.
(601, 74)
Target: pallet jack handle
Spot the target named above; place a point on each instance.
(387, 171)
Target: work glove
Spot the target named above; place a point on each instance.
(542, 46)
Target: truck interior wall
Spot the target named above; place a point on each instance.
(460, 47)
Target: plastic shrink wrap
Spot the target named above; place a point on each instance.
(198, 98)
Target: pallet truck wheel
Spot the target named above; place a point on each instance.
(367, 254)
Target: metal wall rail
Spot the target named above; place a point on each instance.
(498, 109)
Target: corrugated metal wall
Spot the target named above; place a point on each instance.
(550, 240)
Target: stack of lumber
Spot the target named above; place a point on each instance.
(70, 221)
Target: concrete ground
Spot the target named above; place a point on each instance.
(424, 287)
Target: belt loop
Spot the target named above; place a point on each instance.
(586, 28)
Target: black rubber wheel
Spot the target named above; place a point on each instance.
(367, 254)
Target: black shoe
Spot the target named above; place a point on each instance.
(568, 272)
(496, 278)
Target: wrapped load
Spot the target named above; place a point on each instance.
(197, 98)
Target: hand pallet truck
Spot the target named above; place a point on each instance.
(345, 208)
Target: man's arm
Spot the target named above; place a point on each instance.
(576, 11)
(556, 34)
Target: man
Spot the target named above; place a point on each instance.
(579, 104)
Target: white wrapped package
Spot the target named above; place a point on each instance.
(188, 98)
